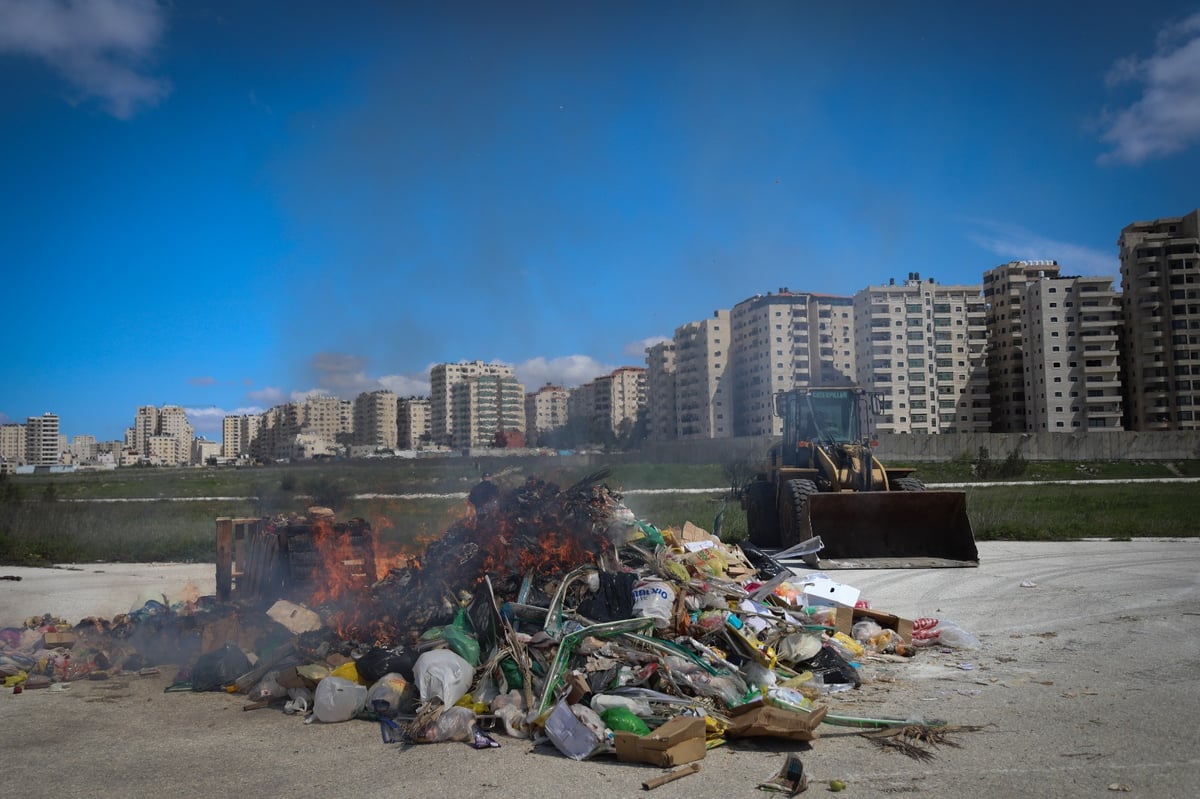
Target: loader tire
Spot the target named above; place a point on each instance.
(762, 523)
(908, 484)
(793, 511)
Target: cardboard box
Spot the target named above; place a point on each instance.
(56, 640)
(679, 741)
(847, 616)
(826, 592)
(758, 720)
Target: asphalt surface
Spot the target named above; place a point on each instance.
(1084, 686)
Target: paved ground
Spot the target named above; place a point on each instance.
(1086, 685)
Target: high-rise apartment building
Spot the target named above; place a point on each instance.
(545, 411)
(375, 419)
(1004, 292)
(412, 422)
(1160, 283)
(330, 419)
(703, 399)
(442, 378)
(12, 444)
(238, 435)
(610, 405)
(660, 391)
(783, 341)
(921, 351)
(1069, 329)
(41, 440)
(487, 409)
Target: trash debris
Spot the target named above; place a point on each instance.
(548, 615)
(790, 780)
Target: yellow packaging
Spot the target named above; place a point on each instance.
(849, 644)
(349, 671)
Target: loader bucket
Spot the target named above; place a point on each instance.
(892, 529)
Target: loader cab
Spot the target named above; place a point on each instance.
(820, 416)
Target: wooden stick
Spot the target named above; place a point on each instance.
(679, 773)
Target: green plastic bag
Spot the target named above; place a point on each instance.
(622, 719)
(460, 640)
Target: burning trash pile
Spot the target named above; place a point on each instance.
(547, 614)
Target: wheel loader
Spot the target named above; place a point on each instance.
(822, 480)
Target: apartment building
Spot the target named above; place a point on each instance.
(330, 419)
(83, 449)
(412, 422)
(238, 434)
(545, 411)
(1160, 283)
(703, 399)
(1004, 292)
(486, 409)
(782, 341)
(610, 405)
(442, 378)
(660, 391)
(12, 443)
(375, 419)
(921, 348)
(41, 440)
(1069, 332)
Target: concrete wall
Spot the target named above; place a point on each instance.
(1178, 445)
(915, 448)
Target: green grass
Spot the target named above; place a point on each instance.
(36, 531)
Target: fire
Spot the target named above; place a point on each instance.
(344, 567)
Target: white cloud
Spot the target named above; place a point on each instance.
(415, 385)
(100, 46)
(210, 420)
(637, 349)
(1015, 243)
(269, 395)
(568, 371)
(1166, 117)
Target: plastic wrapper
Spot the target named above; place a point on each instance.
(268, 688)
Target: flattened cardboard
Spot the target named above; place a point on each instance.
(847, 616)
(679, 741)
(765, 721)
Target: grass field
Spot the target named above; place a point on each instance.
(61, 518)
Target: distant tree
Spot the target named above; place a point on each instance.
(50, 493)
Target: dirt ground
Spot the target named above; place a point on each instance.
(1084, 686)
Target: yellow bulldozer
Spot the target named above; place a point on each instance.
(822, 481)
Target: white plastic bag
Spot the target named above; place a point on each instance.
(396, 691)
(654, 599)
(338, 699)
(442, 674)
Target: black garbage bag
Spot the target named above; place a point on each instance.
(768, 568)
(377, 661)
(613, 601)
(221, 667)
(831, 667)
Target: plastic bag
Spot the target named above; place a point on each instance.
(268, 688)
(214, 670)
(349, 671)
(455, 724)
(338, 699)
(442, 674)
(299, 701)
(654, 599)
(377, 662)
(397, 692)
(624, 720)
(459, 638)
(757, 675)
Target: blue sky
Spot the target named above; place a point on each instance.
(226, 205)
